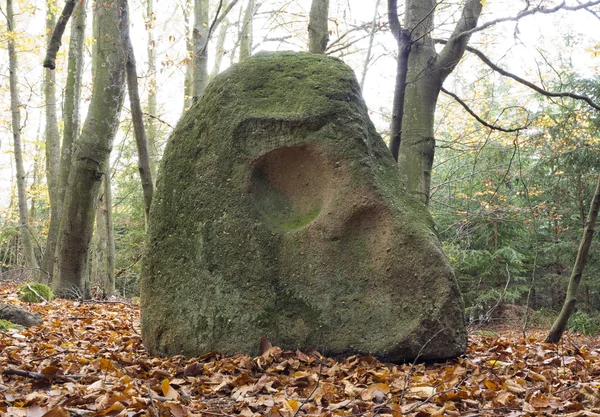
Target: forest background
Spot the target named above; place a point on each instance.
(510, 199)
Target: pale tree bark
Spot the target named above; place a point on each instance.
(109, 287)
(52, 140)
(189, 68)
(220, 46)
(151, 127)
(98, 250)
(426, 70)
(104, 259)
(92, 149)
(318, 34)
(246, 35)
(561, 322)
(199, 47)
(70, 130)
(51, 132)
(137, 118)
(27, 247)
(36, 184)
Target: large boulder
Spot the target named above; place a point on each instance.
(279, 212)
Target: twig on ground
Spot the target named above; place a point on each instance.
(36, 375)
(36, 293)
(152, 405)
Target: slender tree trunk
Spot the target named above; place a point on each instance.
(220, 47)
(151, 128)
(98, 251)
(200, 49)
(371, 39)
(318, 35)
(51, 132)
(70, 131)
(93, 148)
(27, 239)
(415, 98)
(138, 125)
(404, 46)
(109, 284)
(189, 68)
(246, 36)
(562, 320)
(36, 184)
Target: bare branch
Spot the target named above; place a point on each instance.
(395, 26)
(455, 48)
(56, 39)
(534, 87)
(479, 119)
(528, 12)
(526, 83)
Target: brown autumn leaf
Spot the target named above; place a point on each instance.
(168, 391)
(57, 412)
(101, 343)
(265, 345)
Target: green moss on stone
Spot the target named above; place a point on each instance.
(25, 294)
(5, 325)
(235, 251)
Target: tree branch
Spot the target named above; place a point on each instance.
(455, 47)
(479, 119)
(56, 39)
(395, 26)
(529, 84)
(528, 12)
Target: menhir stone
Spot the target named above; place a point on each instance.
(279, 212)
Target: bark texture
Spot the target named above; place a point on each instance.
(200, 46)
(426, 71)
(137, 117)
(52, 140)
(27, 248)
(562, 320)
(70, 130)
(151, 128)
(246, 35)
(318, 34)
(93, 149)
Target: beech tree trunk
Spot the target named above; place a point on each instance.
(138, 125)
(109, 283)
(318, 34)
(220, 47)
(27, 247)
(92, 149)
(199, 47)
(246, 35)
(151, 129)
(415, 98)
(52, 139)
(70, 130)
(568, 307)
(189, 68)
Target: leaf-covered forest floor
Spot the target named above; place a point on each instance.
(87, 359)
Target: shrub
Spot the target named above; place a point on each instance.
(25, 294)
(584, 323)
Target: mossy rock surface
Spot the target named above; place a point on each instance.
(5, 325)
(279, 212)
(26, 294)
(19, 316)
